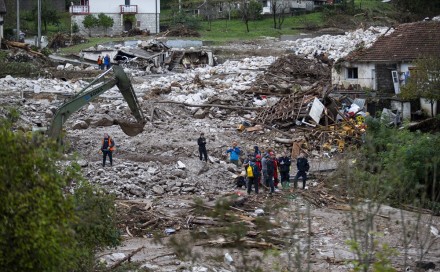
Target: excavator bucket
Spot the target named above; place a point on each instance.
(131, 129)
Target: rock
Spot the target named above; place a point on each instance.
(180, 165)
(37, 88)
(91, 108)
(135, 190)
(103, 121)
(149, 267)
(158, 189)
(48, 114)
(68, 67)
(170, 184)
(80, 125)
(200, 114)
(83, 163)
(188, 189)
(199, 269)
(60, 67)
(117, 256)
(179, 173)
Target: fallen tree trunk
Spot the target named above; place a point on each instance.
(24, 46)
(209, 105)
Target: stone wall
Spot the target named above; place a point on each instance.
(147, 21)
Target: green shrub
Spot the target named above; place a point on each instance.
(43, 226)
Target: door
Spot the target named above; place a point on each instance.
(128, 25)
(395, 76)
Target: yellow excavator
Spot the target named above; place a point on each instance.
(98, 86)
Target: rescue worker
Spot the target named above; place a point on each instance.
(202, 147)
(303, 167)
(99, 61)
(235, 153)
(107, 148)
(284, 166)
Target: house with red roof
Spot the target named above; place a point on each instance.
(386, 65)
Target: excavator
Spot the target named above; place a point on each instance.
(98, 86)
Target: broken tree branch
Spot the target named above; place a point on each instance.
(118, 263)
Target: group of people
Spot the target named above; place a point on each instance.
(263, 167)
(104, 62)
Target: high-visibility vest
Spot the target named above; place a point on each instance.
(110, 147)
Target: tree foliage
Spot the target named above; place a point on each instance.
(44, 227)
(424, 81)
(90, 22)
(419, 7)
(395, 167)
(105, 21)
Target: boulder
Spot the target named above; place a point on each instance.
(80, 125)
(158, 190)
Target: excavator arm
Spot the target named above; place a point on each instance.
(91, 92)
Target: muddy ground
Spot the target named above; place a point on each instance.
(161, 202)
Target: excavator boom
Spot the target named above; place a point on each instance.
(91, 92)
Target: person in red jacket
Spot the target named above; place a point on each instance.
(260, 167)
(275, 173)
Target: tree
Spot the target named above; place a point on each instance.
(422, 8)
(90, 22)
(424, 81)
(105, 21)
(44, 227)
(278, 12)
(245, 13)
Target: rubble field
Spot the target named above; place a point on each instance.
(166, 194)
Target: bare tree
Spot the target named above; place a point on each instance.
(279, 8)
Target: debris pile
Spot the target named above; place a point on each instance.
(182, 31)
(337, 46)
(290, 73)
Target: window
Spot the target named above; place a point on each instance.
(127, 2)
(352, 73)
(138, 24)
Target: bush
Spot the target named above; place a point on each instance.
(395, 167)
(43, 227)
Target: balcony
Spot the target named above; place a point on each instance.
(129, 9)
(79, 9)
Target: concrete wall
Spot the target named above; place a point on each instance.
(365, 75)
(147, 21)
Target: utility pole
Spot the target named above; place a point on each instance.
(18, 20)
(39, 24)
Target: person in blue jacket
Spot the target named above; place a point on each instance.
(107, 62)
(234, 153)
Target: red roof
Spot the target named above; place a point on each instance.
(407, 43)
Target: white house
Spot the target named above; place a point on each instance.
(292, 5)
(126, 14)
(2, 13)
(387, 64)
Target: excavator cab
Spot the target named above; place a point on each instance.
(92, 91)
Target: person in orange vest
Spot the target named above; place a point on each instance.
(100, 65)
(107, 148)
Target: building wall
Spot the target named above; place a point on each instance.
(107, 7)
(147, 21)
(365, 76)
(1, 27)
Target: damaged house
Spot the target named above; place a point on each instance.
(385, 66)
